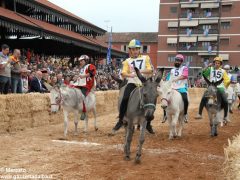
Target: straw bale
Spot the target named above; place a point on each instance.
(3, 104)
(4, 122)
(40, 118)
(40, 102)
(232, 159)
(4, 116)
(56, 118)
(20, 121)
(17, 104)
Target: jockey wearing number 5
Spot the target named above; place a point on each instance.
(143, 63)
(86, 80)
(216, 73)
(179, 76)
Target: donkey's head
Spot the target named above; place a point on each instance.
(149, 93)
(166, 93)
(55, 99)
(211, 93)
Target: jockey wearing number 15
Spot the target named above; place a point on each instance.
(86, 80)
(143, 63)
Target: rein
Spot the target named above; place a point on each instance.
(58, 103)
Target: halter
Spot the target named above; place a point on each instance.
(168, 101)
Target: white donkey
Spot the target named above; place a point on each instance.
(71, 99)
(172, 102)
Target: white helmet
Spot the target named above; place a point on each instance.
(85, 57)
(226, 67)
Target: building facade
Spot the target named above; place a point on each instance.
(149, 41)
(200, 30)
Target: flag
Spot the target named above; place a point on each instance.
(109, 48)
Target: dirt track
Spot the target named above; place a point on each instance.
(96, 156)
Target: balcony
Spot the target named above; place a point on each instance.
(200, 15)
(197, 48)
(199, 31)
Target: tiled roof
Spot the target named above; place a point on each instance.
(22, 19)
(150, 37)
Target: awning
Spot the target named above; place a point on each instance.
(224, 56)
(208, 38)
(225, 20)
(188, 39)
(227, 3)
(207, 54)
(209, 5)
(172, 24)
(224, 37)
(190, 5)
(208, 21)
(171, 40)
(192, 23)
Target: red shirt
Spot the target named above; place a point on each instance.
(91, 69)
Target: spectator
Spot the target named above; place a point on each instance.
(16, 80)
(36, 84)
(5, 70)
(25, 86)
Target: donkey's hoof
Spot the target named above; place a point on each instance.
(216, 134)
(127, 158)
(138, 160)
(96, 129)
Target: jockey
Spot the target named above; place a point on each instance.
(143, 63)
(179, 77)
(86, 80)
(216, 73)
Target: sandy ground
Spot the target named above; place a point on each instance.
(95, 155)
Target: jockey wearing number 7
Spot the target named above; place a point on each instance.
(179, 77)
(143, 63)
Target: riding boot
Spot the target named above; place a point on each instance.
(185, 101)
(164, 116)
(83, 115)
(201, 106)
(149, 128)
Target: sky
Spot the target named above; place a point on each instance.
(121, 15)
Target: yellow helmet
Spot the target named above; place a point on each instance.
(134, 44)
(218, 58)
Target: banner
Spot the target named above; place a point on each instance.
(109, 48)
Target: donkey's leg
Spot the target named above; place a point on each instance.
(65, 122)
(181, 124)
(169, 117)
(76, 122)
(174, 124)
(95, 117)
(86, 124)
(141, 141)
(128, 139)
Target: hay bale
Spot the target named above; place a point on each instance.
(4, 122)
(56, 118)
(3, 104)
(40, 118)
(20, 122)
(232, 159)
(18, 104)
(40, 102)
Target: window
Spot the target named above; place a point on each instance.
(206, 27)
(173, 9)
(172, 45)
(172, 29)
(226, 8)
(224, 41)
(225, 25)
(124, 48)
(171, 58)
(188, 58)
(205, 44)
(145, 49)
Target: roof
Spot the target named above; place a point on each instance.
(50, 5)
(150, 37)
(37, 24)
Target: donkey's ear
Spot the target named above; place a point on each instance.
(140, 76)
(117, 79)
(206, 79)
(159, 75)
(218, 82)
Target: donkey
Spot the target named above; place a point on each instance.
(141, 108)
(172, 103)
(71, 100)
(212, 105)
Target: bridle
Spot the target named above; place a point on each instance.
(145, 106)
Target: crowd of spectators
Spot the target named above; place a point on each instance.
(23, 71)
